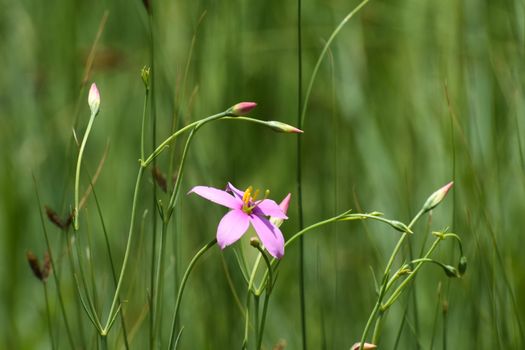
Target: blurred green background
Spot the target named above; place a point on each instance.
(412, 95)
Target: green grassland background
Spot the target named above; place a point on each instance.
(412, 94)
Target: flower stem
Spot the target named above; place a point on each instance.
(53, 269)
(173, 136)
(183, 285)
(128, 247)
(79, 162)
(48, 313)
(249, 291)
(377, 306)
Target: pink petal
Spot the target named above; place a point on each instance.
(271, 237)
(217, 196)
(238, 193)
(268, 207)
(232, 226)
(285, 203)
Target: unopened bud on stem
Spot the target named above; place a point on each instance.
(283, 127)
(437, 197)
(242, 108)
(94, 99)
(254, 242)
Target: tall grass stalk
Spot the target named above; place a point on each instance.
(54, 269)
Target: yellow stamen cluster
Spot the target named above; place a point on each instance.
(249, 199)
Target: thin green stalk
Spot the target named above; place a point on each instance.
(183, 285)
(128, 247)
(112, 264)
(249, 292)
(322, 55)
(53, 268)
(77, 172)
(377, 306)
(69, 253)
(159, 283)
(403, 284)
(173, 136)
(103, 342)
(48, 313)
(90, 304)
(300, 212)
(268, 288)
(302, 107)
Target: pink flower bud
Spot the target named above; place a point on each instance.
(285, 203)
(282, 127)
(437, 197)
(366, 346)
(94, 99)
(242, 108)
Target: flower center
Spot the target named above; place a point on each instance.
(249, 199)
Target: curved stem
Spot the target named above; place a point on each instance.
(323, 54)
(377, 306)
(183, 285)
(173, 136)
(77, 172)
(128, 247)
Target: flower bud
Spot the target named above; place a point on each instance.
(366, 346)
(144, 74)
(284, 207)
(282, 127)
(254, 242)
(94, 99)
(450, 271)
(398, 225)
(242, 108)
(462, 266)
(437, 197)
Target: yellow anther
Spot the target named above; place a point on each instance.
(255, 195)
(247, 194)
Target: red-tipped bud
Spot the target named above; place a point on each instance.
(94, 99)
(242, 108)
(366, 346)
(282, 127)
(285, 203)
(437, 197)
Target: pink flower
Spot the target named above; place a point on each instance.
(242, 108)
(94, 99)
(246, 209)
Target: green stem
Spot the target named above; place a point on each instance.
(53, 268)
(183, 285)
(126, 253)
(268, 287)
(48, 313)
(249, 291)
(170, 139)
(299, 181)
(322, 55)
(112, 264)
(403, 284)
(79, 162)
(377, 306)
(157, 295)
